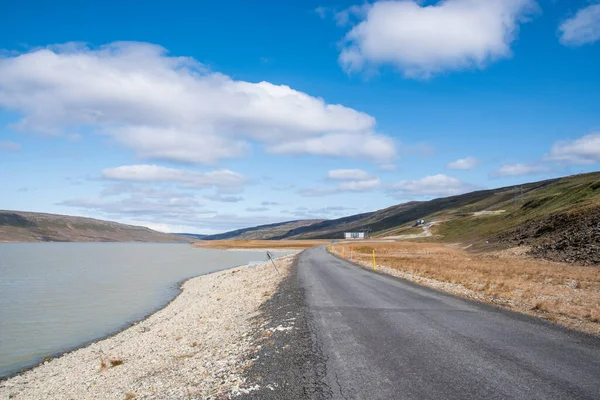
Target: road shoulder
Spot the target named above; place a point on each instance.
(288, 363)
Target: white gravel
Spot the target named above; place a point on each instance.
(192, 349)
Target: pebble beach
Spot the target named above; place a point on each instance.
(194, 348)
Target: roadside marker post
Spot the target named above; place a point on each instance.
(273, 262)
(374, 263)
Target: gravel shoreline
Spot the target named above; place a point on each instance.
(195, 347)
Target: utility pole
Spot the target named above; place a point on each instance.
(270, 257)
(518, 195)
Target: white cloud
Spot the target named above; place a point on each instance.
(347, 16)
(348, 174)
(165, 210)
(173, 108)
(155, 173)
(419, 149)
(223, 199)
(322, 213)
(422, 40)
(464, 163)
(387, 167)
(9, 146)
(322, 11)
(434, 185)
(519, 169)
(257, 209)
(317, 192)
(377, 148)
(178, 215)
(582, 28)
(360, 186)
(585, 150)
(348, 180)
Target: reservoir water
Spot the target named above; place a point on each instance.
(58, 296)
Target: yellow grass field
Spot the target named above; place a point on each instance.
(563, 293)
(259, 244)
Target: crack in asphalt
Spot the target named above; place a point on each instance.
(337, 380)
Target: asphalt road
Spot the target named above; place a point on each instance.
(384, 338)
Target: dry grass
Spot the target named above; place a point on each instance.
(563, 293)
(259, 244)
(114, 362)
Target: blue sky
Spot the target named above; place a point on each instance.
(210, 116)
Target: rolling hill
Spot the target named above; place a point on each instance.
(19, 226)
(559, 218)
(264, 232)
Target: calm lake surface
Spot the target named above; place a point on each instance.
(57, 296)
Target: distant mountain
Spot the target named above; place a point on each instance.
(193, 236)
(263, 232)
(19, 226)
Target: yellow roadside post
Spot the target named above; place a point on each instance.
(374, 263)
(343, 252)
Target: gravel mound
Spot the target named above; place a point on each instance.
(564, 237)
(195, 348)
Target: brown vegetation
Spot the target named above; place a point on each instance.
(19, 226)
(563, 293)
(259, 244)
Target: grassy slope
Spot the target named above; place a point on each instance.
(18, 226)
(574, 194)
(565, 195)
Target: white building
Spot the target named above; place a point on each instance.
(354, 235)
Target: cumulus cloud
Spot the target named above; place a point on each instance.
(423, 40)
(348, 174)
(347, 180)
(173, 108)
(322, 11)
(433, 185)
(147, 211)
(156, 173)
(585, 150)
(582, 28)
(464, 163)
(9, 146)
(387, 167)
(519, 169)
(223, 199)
(321, 213)
(377, 148)
(257, 209)
(317, 192)
(360, 185)
(178, 215)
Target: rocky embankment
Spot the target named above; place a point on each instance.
(198, 347)
(565, 237)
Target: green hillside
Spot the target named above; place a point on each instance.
(559, 217)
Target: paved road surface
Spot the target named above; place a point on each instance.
(384, 338)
